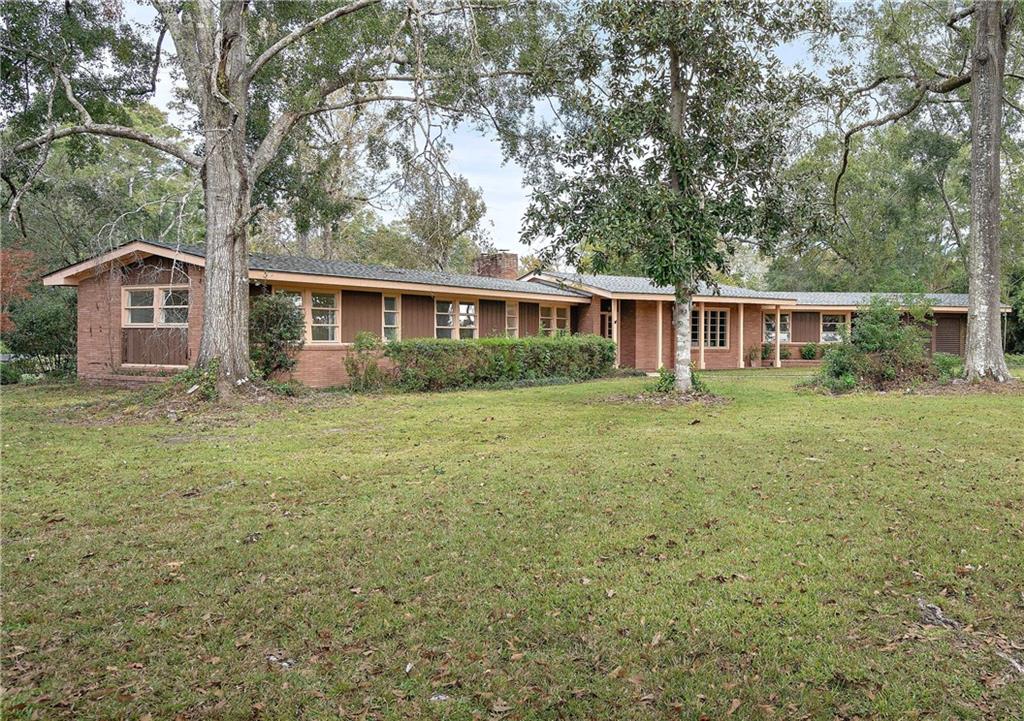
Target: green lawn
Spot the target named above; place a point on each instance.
(537, 554)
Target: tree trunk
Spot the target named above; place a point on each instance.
(984, 353)
(228, 195)
(682, 312)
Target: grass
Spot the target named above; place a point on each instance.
(530, 554)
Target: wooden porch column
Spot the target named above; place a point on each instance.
(661, 333)
(739, 361)
(615, 330)
(700, 332)
(778, 337)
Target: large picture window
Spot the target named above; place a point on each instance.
(155, 306)
(716, 328)
(832, 327)
(769, 328)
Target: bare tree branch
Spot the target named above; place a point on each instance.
(947, 85)
(312, 26)
(112, 131)
(959, 15)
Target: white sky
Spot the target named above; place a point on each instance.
(476, 157)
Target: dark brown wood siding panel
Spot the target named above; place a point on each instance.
(417, 316)
(155, 271)
(155, 346)
(948, 335)
(627, 333)
(529, 319)
(360, 311)
(806, 327)
(492, 318)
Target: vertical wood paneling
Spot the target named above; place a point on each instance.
(417, 316)
(806, 327)
(627, 333)
(491, 320)
(154, 346)
(529, 319)
(360, 311)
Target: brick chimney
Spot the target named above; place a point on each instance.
(500, 264)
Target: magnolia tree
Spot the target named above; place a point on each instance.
(669, 141)
(253, 75)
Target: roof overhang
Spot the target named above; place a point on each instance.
(127, 253)
(138, 250)
(454, 291)
(542, 277)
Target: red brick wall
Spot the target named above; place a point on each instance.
(589, 317)
(99, 324)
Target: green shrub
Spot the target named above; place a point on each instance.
(809, 351)
(430, 365)
(276, 326)
(11, 371)
(361, 363)
(886, 345)
(203, 379)
(666, 382)
(768, 352)
(44, 328)
(949, 366)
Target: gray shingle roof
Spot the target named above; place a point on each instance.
(645, 286)
(937, 300)
(345, 269)
(634, 285)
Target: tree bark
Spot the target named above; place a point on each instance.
(984, 352)
(682, 312)
(228, 195)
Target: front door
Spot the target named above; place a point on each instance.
(606, 318)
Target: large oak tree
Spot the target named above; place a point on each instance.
(253, 74)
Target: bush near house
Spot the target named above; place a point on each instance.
(431, 365)
(275, 333)
(809, 351)
(42, 333)
(768, 352)
(888, 345)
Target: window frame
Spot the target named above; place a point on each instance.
(475, 316)
(513, 330)
(821, 326)
(157, 305)
(306, 294)
(307, 304)
(553, 328)
(786, 319)
(695, 328)
(453, 315)
(398, 317)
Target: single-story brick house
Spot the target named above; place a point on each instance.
(140, 311)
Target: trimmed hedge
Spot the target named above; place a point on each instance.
(432, 365)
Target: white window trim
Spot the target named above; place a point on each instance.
(307, 304)
(695, 328)
(158, 299)
(768, 315)
(307, 313)
(456, 315)
(821, 326)
(512, 332)
(398, 316)
(553, 329)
